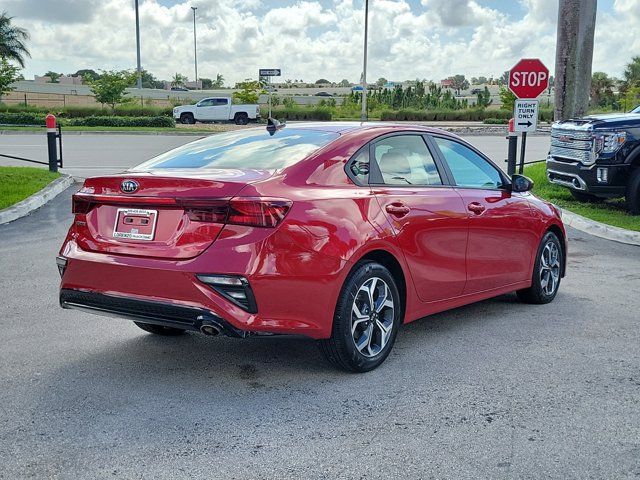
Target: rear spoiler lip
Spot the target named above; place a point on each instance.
(158, 201)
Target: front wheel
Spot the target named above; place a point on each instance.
(366, 320)
(547, 272)
(632, 196)
(187, 119)
(159, 329)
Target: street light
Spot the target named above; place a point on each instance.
(195, 50)
(363, 114)
(139, 82)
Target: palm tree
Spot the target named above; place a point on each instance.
(12, 40)
(601, 88)
(178, 80)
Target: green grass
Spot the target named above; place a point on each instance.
(17, 183)
(611, 212)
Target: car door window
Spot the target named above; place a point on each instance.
(406, 160)
(359, 167)
(205, 103)
(467, 167)
(219, 101)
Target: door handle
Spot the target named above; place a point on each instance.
(397, 209)
(476, 208)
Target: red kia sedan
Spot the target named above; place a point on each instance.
(338, 231)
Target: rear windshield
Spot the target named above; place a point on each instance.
(243, 149)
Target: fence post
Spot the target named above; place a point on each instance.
(50, 122)
(513, 149)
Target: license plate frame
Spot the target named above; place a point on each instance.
(132, 221)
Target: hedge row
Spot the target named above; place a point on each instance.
(298, 113)
(80, 111)
(24, 118)
(470, 114)
(112, 121)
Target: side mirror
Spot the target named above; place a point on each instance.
(520, 183)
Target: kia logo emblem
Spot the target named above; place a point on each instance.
(129, 186)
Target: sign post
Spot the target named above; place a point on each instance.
(268, 73)
(527, 79)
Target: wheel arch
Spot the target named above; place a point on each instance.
(559, 232)
(391, 263)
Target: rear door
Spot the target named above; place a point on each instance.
(502, 229)
(427, 215)
(221, 109)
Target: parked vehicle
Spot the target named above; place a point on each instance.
(598, 157)
(179, 89)
(337, 231)
(476, 91)
(217, 109)
(323, 94)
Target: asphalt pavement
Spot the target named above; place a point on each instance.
(496, 390)
(91, 154)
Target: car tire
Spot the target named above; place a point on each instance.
(632, 196)
(187, 119)
(361, 340)
(585, 197)
(547, 268)
(159, 329)
(241, 119)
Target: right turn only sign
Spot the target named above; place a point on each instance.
(525, 115)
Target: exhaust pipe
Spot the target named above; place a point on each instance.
(210, 329)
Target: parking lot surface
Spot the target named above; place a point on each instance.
(493, 390)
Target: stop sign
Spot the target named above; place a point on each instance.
(529, 78)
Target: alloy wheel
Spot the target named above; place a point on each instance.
(550, 268)
(372, 316)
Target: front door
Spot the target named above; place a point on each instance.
(428, 217)
(502, 229)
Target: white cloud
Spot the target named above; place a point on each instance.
(308, 39)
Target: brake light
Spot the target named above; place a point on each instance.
(258, 212)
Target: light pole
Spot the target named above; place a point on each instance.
(195, 49)
(363, 114)
(139, 82)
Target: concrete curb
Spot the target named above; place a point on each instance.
(37, 200)
(601, 230)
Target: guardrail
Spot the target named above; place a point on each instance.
(54, 144)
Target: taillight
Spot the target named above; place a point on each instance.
(80, 205)
(258, 212)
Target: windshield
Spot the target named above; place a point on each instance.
(243, 149)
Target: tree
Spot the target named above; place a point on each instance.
(87, 73)
(507, 98)
(632, 74)
(53, 76)
(344, 83)
(322, 81)
(459, 83)
(601, 89)
(110, 87)
(219, 81)
(150, 81)
(12, 40)
(206, 83)
(381, 82)
(178, 80)
(8, 75)
(484, 98)
(249, 91)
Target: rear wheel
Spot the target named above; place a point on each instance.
(241, 118)
(632, 196)
(547, 272)
(585, 197)
(366, 320)
(159, 329)
(187, 118)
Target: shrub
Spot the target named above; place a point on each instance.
(114, 121)
(299, 113)
(496, 121)
(22, 118)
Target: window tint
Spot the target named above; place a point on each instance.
(405, 160)
(220, 101)
(253, 148)
(205, 103)
(359, 166)
(468, 168)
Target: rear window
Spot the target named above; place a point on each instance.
(243, 149)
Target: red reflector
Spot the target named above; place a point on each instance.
(258, 212)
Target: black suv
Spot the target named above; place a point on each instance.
(598, 157)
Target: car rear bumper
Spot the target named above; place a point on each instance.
(578, 177)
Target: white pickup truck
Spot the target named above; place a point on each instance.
(216, 109)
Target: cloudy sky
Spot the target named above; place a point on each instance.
(313, 39)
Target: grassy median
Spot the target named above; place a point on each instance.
(17, 183)
(611, 212)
